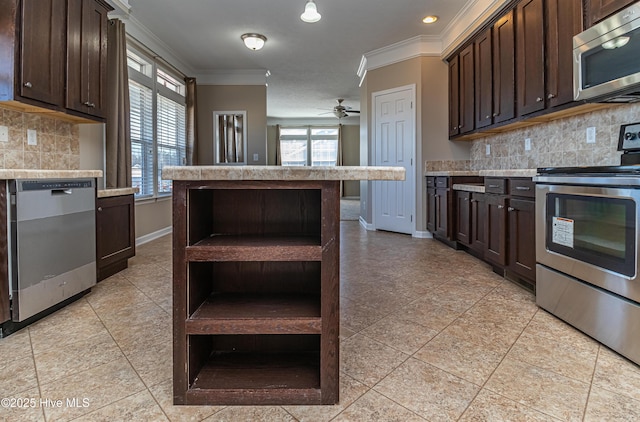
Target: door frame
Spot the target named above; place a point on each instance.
(411, 172)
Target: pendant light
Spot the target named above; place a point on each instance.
(254, 41)
(310, 14)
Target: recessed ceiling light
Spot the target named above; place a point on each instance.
(430, 19)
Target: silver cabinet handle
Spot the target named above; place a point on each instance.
(500, 207)
(495, 114)
(466, 199)
(494, 186)
(100, 209)
(550, 96)
(511, 209)
(88, 104)
(523, 188)
(474, 200)
(539, 99)
(28, 84)
(460, 127)
(487, 116)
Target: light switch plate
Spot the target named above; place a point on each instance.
(4, 134)
(255, 157)
(527, 144)
(591, 135)
(32, 137)
(488, 149)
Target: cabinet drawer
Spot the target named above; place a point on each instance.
(442, 182)
(522, 187)
(492, 185)
(431, 182)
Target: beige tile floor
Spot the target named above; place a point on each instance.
(428, 334)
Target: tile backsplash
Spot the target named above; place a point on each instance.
(57, 142)
(561, 142)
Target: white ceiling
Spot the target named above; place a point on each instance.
(310, 65)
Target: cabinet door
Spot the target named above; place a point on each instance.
(600, 9)
(504, 62)
(495, 231)
(467, 98)
(530, 56)
(463, 217)
(454, 96)
(484, 79)
(478, 222)
(442, 209)
(431, 210)
(564, 20)
(87, 57)
(42, 37)
(522, 248)
(115, 231)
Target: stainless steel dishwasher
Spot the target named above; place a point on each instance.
(52, 242)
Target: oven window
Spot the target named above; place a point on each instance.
(592, 229)
(611, 60)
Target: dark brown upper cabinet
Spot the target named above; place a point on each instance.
(32, 36)
(454, 96)
(564, 20)
(47, 45)
(530, 56)
(600, 9)
(87, 56)
(467, 91)
(484, 79)
(504, 88)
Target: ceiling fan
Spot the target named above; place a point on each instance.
(341, 111)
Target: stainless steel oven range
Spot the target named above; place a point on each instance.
(587, 251)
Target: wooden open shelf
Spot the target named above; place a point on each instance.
(256, 292)
(237, 313)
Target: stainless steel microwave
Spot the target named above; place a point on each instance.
(606, 59)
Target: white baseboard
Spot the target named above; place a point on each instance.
(422, 235)
(153, 236)
(366, 225)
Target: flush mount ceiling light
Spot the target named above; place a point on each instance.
(430, 19)
(310, 14)
(254, 41)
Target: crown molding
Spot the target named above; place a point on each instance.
(419, 46)
(471, 17)
(120, 6)
(232, 77)
(144, 36)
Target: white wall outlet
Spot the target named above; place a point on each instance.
(527, 144)
(32, 137)
(4, 134)
(488, 149)
(591, 135)
(256, 157)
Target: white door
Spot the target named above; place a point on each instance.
(394, 145)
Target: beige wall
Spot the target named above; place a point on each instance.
(249, 98)
(153, 216)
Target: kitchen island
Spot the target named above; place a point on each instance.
(256, 282)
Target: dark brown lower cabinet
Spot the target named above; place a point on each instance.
(5, 313)
(495, 230)
(477, 231)
(522, 253)
(115, 234)
(463, 220)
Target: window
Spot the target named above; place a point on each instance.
(158, 123)
(309, 146)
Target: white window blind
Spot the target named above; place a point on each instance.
(158, 122)
(309, 146)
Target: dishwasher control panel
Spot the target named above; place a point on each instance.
(27, 185)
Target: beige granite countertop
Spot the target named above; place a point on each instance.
(452, 173)
(469, 187)
(8, 174)
(282, 173)
(106, 193)
(509, 173)
(486, 173)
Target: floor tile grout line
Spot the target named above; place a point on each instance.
(35, 368)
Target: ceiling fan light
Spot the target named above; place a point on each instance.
(310, 14)
(253, 41)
